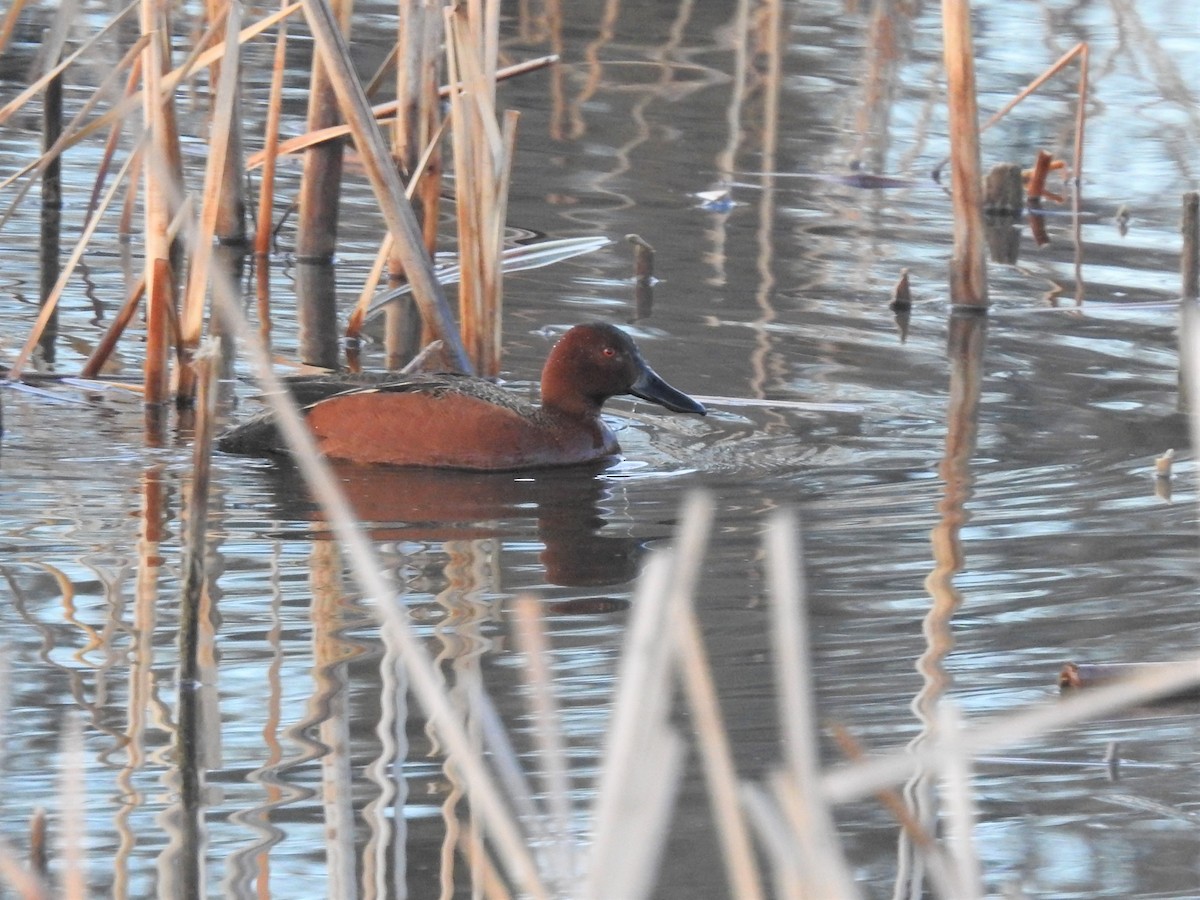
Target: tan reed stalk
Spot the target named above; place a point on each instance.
(64, 277)
(39, 856)
(381, 172)
(695, 673)
(383, 111)
(481, 166)
(532, 642)
(214, 205)
(159, 173)
(642, 760)
(968, 266)
(1054, 69)
(266, 190)
(822, 864)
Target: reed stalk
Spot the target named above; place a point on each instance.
(222, 144)
(51, 214)
(162, 174)
(385, 181)
(642, 759)
(266, 190)
(695, 673)
(968, 266)
(822, 864)
(1189, 257)
(482, 162)
(230, 227)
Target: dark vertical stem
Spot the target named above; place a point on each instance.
(1189, 262)
(316, 298)
(195, 531)
(51, 211)
(321, 185)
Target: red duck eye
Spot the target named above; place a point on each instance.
(609, 352)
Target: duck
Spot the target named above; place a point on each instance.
(455, 421)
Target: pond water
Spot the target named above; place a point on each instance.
(772, 306)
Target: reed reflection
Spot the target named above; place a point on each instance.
(427, 505)
(968, 330)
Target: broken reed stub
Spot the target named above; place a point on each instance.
(901, 295)
(643, 257)
(1004, 191)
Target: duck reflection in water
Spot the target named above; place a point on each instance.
(562, 508)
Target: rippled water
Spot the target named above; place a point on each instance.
(776, 295)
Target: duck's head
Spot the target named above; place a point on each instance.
(593, 362)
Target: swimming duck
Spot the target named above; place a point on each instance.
(462, 422)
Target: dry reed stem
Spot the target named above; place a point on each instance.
(64, 277)
(823, 867)
(642, 757)
(384, 180)
(533, 644)
(39, 84)
(1189, 359)
(383, 111)
(481, 165)
(224, 108)
(968, 267)
(695, 673)
(266, 192)
(1034, 85)
(774, 838)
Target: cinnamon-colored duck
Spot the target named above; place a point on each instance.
(461, 422)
